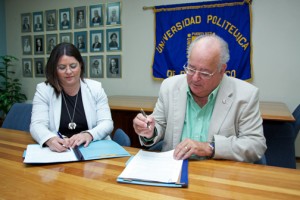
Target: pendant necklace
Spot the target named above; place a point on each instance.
(71, 125)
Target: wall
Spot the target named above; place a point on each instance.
(275, 34)
(2, 28)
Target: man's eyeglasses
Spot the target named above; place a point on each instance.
(63, 68)
(203, 75)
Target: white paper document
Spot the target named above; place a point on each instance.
(153, 166)
(45, 155)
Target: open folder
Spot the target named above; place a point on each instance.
(35, 154)
(155, 169)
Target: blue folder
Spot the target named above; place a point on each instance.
(182, 184)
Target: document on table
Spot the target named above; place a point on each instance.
(155, 167)
(40, 154)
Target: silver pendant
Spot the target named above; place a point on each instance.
(72, 125)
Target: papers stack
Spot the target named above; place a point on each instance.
(156, 169)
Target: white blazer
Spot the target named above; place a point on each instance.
(236, 123)
(46, 111)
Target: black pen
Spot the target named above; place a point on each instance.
(144, 114)
(61, 137)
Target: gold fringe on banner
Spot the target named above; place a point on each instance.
(196, 7)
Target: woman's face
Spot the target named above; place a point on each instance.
(68, 71)
(114, 38)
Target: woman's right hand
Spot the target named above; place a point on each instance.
(57, 144)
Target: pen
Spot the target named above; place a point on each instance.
(61, 136)
(144, 114)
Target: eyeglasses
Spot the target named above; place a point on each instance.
(203, 75)
(63, 68)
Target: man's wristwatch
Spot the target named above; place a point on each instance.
(212, 146)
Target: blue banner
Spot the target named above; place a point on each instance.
(178, 25)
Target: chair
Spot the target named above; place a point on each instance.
(261, 161)
(280, 139)
(296, 124)
(156, 147)
(18, 117)
(121, 138)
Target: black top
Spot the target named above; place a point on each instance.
(79, 116)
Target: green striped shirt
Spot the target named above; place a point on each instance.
(197, 119)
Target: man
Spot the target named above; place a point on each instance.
(80, 42)
(205, 113)
(26, 26)
(96, 44)
(65, 22)
(27, 69)
(38, 25)
(39, 46)
(96, 19)
(113, 16)
(51, 45)
(96, 70)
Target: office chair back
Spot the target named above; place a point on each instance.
(296, 124)
(18, 117)
(121, 138)
(262, 161)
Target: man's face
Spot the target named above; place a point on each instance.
(205, 58)
(39, 43)
(96, 64)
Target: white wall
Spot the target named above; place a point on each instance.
(275, 34)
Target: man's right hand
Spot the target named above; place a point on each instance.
(144, 126)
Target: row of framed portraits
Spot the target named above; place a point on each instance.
(78, 17)
(41, 44)
(94, 66)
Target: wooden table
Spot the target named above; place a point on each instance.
(125, 108)
(210, 179)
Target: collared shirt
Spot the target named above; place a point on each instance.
(197, 119)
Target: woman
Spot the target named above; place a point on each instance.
(113, 41)
(68, 104)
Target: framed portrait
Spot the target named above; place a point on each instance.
(27, 67)
(65, 20)
(27, 45)
(80, 17)
(113, 66)
(51, 20)
(39, 67)
(96, 41)
(80, 41)
(51, 42)
(96, 67)
(65, 37)
(96, 15)
(38, 19)
(84, 58)
(113, 13)
(39, 48)
(26, 22)
(113, 39)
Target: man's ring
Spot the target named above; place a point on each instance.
(186, 147)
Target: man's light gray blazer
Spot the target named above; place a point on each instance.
(236, 123)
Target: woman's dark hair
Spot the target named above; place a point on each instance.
(113, 34)
(60, 50)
